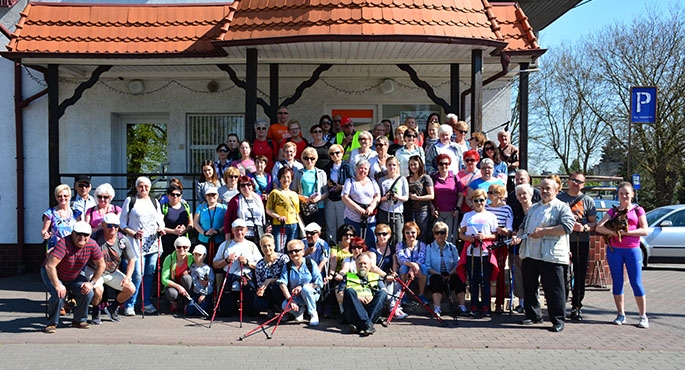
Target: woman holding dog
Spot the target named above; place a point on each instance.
(624, 250)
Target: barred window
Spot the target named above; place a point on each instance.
(205, 132)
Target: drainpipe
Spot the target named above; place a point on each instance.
(504, 60)
(19, 105)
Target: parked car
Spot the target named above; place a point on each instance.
(603, 205)
(666, 239)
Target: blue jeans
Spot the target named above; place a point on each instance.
(359, 315)
(305, 300)
(55, 303)
(290, 234)
(370, 237)
(150, 263)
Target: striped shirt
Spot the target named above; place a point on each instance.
(504, 214)
(73, 259)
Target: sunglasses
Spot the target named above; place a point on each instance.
(245, 185)
(175, 195)
(310, 233)
(380, 144)
(493, 193)
(440, 232)
(103, 196)
(326, 122)
(348, 235)
(233, 176)
(410, 233)
(576, 181)
(293, 251)
(223, 151)
(82, 185)
(335, 153)
(282, 112)
(356, 247)
(336, 120)
(479, 200)
(381, 234)
(112, 226)
(445, 163)
(317, 132)
(82, 235)
(462, 131)
(183, 247)
(309, 158)
(260, 128)
(469, 160)
(410, 136)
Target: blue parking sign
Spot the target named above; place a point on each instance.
(643, 104)
(636, 181)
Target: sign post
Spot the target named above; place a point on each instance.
(642, 110)
(636, 183)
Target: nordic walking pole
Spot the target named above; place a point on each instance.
(242, 277)
(142, 279)
(405, 287)
(221, 292)
(159, 271)
(512, 282)
(262, 326)
(281, 244)
(482, 283)
(399, 299)
(197, 306)
(287, 308)
(210, 257)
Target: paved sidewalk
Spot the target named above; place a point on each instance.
(165, 341)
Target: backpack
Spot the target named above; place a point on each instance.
(307, 261)
(132, 202)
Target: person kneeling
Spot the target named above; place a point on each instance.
(364, 298)
(301, 280)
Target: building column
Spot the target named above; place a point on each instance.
(477, 91)
(250, 94)
(454, 89)
(523, 116)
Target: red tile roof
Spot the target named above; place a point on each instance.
(119, 29)
(169, 30)
(514, 27)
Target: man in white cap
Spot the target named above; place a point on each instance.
(316, 248)
(61, 272)
(114, 247)
(231, 256)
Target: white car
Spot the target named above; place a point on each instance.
(666, 239)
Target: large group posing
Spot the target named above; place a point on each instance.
(335, 225)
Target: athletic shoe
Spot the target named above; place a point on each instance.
(368, 331)
(314, 320)
(150, 308)
(50, 329)
(112, 313)
(299, 318)
(80, 325)
(437, 309)
(129, 311)
(519, 309)
(399, 314)
(462, 311)
(620, 319)
(423, 299)
(644, 322)
(95, 314)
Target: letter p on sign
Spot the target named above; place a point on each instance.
(643, 104)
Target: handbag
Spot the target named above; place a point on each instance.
(309, 208)
(300, 224)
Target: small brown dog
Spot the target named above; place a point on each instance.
(619, 222)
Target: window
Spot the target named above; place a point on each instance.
(205, 132)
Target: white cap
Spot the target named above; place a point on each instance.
(211, 190)
(239, 222)
(82, 227)
(200, 249)
(111, 219)
(182, 241)
(314, 227)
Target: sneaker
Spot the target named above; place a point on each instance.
(437, 309)
(368, 331)
(519, 309)
(299, 318)
(80, 325)
(95, 316)
(644, 322)
(423, 299)
(620, 319)
(112, 313)
(150, 308)
(50, 329)
(314, 320)
(462, 311)
(399, 314)
(129, 311)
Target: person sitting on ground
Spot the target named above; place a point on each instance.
(300, 282)
(267, 271)
(237, 258)
(61, 273)
(203, 282)
(114, 247)
(176, 274)
(364, 297)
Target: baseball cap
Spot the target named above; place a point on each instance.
(200, 249)
(111, 218)
(239, 222)
(313, 227)
(82, 227)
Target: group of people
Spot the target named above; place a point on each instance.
(430, 209)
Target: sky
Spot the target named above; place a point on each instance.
(592, 16)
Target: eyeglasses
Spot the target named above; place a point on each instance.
(381, 234)
(493, 193)
(112, 226)
(409, 232)
(317, 132)
(469, 160)
(489, 148)
(82, 235)
(440, 232)
(326, 122)
(356, 247)
(282, 112)
(245, 185)
(175, 195)
(294, 251)
(183, 247)
(486, 168)
(348, 235)
(576, 181)
(103, 196)
(310, 233)
(479, 200)
(82, 185)
(64, 196)
(410, 136)
(233, 176)
(223, 151)
(335, 153)
(444, 163)
(462, 131)
(309, 158)
(260, 128)
(380, 144)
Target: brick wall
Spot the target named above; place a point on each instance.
(598, 270)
